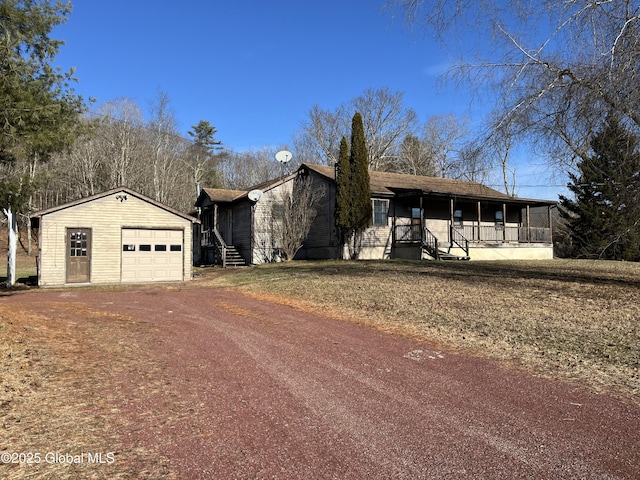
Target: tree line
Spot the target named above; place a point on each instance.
(561, 72)
(117, 146)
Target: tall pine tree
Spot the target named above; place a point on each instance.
(39, 111)
(360, 183)
(353, 197)
(343, 190)
(604, 217)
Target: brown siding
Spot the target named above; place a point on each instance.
(323, 240)
(242, 229)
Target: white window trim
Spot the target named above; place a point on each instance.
(373, 208)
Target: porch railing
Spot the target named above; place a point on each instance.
(205, 238)
(465, 234)
(492, 233)
(408, 233)
(210, 237)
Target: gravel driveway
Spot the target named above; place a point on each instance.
(254, 389)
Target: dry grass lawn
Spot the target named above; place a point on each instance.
(60, 385)
(577, 320)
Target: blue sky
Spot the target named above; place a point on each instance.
(254, 68)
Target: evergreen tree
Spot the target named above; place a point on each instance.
(353, 197)
(360, 183)
(343, 190)
(202, 153)
(39, 111)
(604, 217)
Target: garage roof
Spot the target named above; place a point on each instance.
(124, 191)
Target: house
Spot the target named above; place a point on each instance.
(236, 225)
(118, 236)
(414, 217)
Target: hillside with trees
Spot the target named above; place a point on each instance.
(556, 90)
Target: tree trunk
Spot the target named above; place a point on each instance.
(12, 226)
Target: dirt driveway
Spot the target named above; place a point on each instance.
(246, 388)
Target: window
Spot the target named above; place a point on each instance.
(128, 248)
(457, 217)
(499, 218)
(78, 244)
(416, 223)
(145, 248)
(160, 248)
(176, 248)
(380, 211)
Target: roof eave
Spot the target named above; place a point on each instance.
(106, 193)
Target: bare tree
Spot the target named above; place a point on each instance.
(386, 122)
(241, 170)
(166, 148)
(558, 67)
(415, 157)
(121, 140)
(445, 137)
(473, 164)
(84, 162)
(319, 140)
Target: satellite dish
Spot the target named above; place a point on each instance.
(283, 156)
(255, 195)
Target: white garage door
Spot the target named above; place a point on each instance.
(152, 255)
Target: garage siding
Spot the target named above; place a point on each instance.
(106, 216)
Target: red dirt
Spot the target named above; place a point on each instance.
(253, 389)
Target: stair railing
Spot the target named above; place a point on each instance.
(430, 243)
(459, 240)
(221, 246)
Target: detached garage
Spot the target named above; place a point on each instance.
(119, 236)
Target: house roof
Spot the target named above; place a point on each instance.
(221, 195)
(390, 184)
(382, 184)
(125, 190)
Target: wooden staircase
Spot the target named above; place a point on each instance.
(232, 257)
(227, 255)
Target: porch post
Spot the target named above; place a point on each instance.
(479, 219)
(422, 222)
(504, 223)
(528, 224)
(393, 225)
(451, 211)
(550, 223)
(451, 207)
